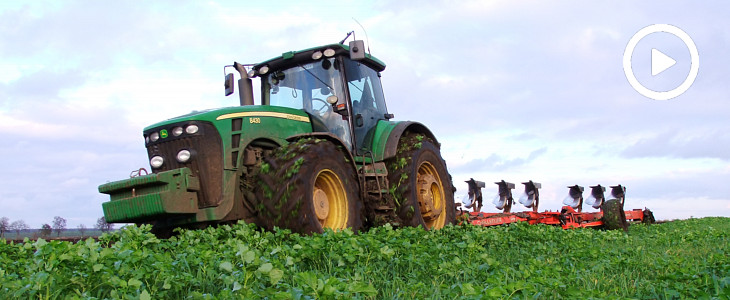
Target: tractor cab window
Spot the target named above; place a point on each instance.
(307, 87)
(368, 103)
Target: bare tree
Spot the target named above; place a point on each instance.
(4, 225)
(59, 224)
(18, 226)
(46, 230)
(102, 225)
(82, 229)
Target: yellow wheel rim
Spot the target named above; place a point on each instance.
(431, 196)
(330, 200)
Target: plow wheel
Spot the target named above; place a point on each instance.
(308, 186)
(614, 216)
(422, 187)
(648, 217)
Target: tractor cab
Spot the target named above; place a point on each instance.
(338, 86)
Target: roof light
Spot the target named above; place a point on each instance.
(177, 131)
(192, 129)
(154, 136)
(264, 70)
(329, 52)
(317, 55)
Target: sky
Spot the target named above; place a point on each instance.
(513, 90)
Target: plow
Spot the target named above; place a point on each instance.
(611, 214)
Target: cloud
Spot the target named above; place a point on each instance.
(42, 85)
(495, 162)
(712, 144)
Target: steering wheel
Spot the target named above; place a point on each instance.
(326, 107)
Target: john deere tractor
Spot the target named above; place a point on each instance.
(320, 151)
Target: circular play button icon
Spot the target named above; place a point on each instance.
(661, 62)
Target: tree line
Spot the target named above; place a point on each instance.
(58, 225)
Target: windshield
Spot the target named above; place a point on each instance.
(307, 87)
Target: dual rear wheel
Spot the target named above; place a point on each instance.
(421, 185)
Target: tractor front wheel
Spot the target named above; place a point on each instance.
(308, 186)
(421, 184)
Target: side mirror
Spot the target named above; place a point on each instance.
(229, 84)
(357, 50)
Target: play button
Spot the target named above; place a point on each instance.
(660, 62)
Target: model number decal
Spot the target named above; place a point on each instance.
(258, 114)
(254, 120)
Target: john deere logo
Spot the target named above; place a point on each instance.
(163, 133)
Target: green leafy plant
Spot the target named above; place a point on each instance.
(682, 259)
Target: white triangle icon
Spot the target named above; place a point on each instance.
(660, 62)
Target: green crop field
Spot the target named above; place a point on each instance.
(686, 259)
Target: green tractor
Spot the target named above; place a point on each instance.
(320, 151)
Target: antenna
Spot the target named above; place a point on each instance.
(366, 34)
(342, 42)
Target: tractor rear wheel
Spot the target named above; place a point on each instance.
(308, 186)
(614, 216)
(421, 184)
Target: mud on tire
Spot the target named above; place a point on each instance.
(307, 186)
(421, 184)
(614, 216)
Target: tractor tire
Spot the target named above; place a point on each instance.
(308, 186)
(614, 216)
(162, 232)
(421, 185)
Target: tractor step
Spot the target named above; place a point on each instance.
(382, 191)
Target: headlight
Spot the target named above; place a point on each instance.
(191, 129)
(156, 161)
(183, 156)
(177, 131)
(154, 136)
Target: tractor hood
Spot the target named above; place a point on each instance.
(213, 115)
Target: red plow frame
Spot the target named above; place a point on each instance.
(610, 216)
(567, 218)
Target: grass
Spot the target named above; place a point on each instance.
(36, 233)
(676, 260)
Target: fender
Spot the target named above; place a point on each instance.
(327, 136)
(391, 132)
